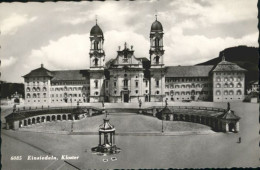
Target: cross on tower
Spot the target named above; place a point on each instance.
(156, 14)
(96, 19)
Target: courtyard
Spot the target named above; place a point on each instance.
(178, 150)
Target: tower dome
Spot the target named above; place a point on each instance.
(156, 26)
(96, 30)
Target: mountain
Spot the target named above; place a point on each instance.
(245, 57)
(8, 89)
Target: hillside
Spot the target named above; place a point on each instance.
(8, 89)
(245, 57)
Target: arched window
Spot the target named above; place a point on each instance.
(187, 93)
(187, 86)
(225, 92)
(96, 61)
(38, 89)
(44, 89)
(172, 92)
(193, 86)
(157, 59)
(96, 45)
(197, 85)
(225, 79)
(177, 86)
(231, 85)
(28, 89)
(225, 85)
(28, 95)
(239, 85)
(231, 79)
(218, 93)
(182, 86)
(231, 92)
(44, 95)
(157, 92)
(38, 95)
(182, 93)
(96, 83)
(218, 79)
(218, 85)
(157, 42)
(34, 89)
(239, 92)
(239, 79)
(96, 93)
(177, 93)
(34, 95)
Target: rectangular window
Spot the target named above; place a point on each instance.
(114, 83)
(157, 83)
(146, 83)
(136, 84)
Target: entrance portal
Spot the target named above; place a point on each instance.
(126, 98)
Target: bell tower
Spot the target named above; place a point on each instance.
(157, 69)
(97, 64)
(97, 54)
(156, 44)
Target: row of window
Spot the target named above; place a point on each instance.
(175, 79)
(37, 83)
(187, 86)
(69, 83)
(229, 79)
(69, 88)
(44, 95)
(228, 73)
(231, 85)
(230, 92)
(187, 93)
(34, 89)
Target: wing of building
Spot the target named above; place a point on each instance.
(127, 78)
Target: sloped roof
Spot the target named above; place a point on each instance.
(106, 126)
(166, 110)
(39, 72)
(188, 71)
(70, 75)
(228, 66)
(229, 115)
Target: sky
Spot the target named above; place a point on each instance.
(57, 34)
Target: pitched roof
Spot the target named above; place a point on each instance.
(188, 71)
(229, 115)
(70, 75)
(39, 72)
(166, 110)
(228, 66)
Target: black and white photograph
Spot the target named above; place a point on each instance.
(152, 84)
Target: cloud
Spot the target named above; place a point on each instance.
(113, 39)
(8, 62)
(11, 24)
(68, 52)
(183, 49)
(217, 11)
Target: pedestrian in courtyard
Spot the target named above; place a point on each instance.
(228, 106)
(140, 103)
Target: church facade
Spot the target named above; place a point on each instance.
(127, 78)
